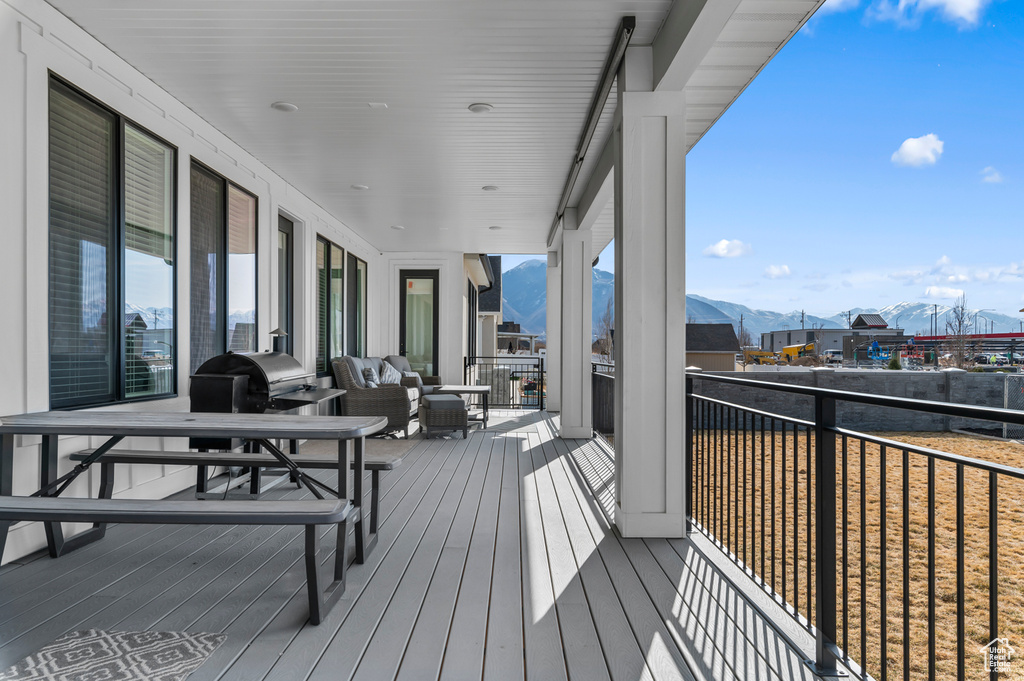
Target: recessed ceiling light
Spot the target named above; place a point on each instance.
(287, 107)
(397, 226)
(377, 105)
(495, 227)
(489, 188)
(480, 107)
(359, 187)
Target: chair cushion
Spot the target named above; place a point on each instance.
(399, 362)
(375, 363)
(390, 374)
(355, 369)
(442, 402)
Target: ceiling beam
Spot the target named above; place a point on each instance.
(600, 187)
(689, 32)
(604, 86)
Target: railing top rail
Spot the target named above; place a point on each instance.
(757, 412)
(927, 406)
(935, 453)
(602, 364)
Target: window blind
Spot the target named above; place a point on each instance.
(83, 186)
(322, 305)
(207, 252)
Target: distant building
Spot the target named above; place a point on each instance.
(489, 311)
(712, 347)
(865, 329)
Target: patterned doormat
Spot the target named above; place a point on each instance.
(95, 655)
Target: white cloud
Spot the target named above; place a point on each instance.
(919, 151)
(727, 249)
(777, 271)
(833, 6)
(908, 13)
(990, 174)
(957, 278)
(942, 293)
(908, 276)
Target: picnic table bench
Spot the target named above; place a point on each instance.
(49, 507)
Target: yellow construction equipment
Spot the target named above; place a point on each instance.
(760, 357)
(791, 352)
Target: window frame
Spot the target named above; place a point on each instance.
(118, 233)
(357, 335)
(286, 284)
(473, 313)
(223, 276)
(321, 306)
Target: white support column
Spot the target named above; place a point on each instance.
(553, 363)
(577, 292)
(649, 303)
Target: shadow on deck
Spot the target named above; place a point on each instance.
(497, 559)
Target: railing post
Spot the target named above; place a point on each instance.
(688, 467)
(540, 386)
(825, 662)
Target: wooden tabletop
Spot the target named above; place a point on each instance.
(187, 424)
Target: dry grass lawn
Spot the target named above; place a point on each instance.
(742, 523)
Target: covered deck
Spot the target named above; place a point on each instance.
(498, 559)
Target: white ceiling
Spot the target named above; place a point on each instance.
(425, 157)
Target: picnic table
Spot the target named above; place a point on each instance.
(116, 425)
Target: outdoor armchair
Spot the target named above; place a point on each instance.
(399, 403)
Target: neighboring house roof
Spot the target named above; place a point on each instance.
(711, 338)
(869, 321)
(133, 320)
(490, 300)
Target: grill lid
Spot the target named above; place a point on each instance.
(269, 373)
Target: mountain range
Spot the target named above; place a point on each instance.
(524, 290)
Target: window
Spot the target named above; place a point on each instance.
(285, 276)
(330, 266)
(111, 256)
(356, 301)
(223, 266)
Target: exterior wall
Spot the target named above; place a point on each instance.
(712, 361)
(35, 39)
(940, 386)
(451, 312)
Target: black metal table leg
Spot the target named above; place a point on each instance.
(56, 543)
(365, 541)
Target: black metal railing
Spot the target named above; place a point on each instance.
(602, 388)
(859, 546)
(517, 381)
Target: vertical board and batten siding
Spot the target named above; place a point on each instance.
(36, 40)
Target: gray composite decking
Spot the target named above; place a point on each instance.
(496, 560)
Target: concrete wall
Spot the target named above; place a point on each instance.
(944, 386)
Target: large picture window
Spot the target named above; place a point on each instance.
(111, 255)
(330, 271)
(223, 265)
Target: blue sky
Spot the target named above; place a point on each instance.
(876, 159)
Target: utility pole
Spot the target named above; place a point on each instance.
(741, 331)
(801, 319)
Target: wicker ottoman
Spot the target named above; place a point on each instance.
(443, 412)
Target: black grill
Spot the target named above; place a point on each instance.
(251, 383)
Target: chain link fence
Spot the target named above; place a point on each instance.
(1013, 398)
